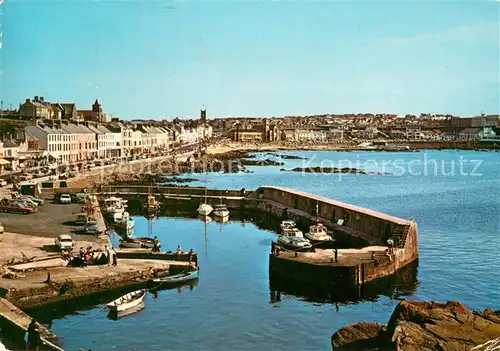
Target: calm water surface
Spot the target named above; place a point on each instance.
(231, 308)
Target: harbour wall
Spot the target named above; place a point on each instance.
(72, 288)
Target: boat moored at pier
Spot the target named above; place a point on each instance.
(178, 278)
(287, 225)
(221, 211)
(318, 234)
(293, 239)
(114, 207)
(127, 301)
(126, 222)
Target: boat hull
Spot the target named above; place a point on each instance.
(290, 245)
(205, 209)
(127, 301)
(129, 225)
(221, 214)
(178, 278)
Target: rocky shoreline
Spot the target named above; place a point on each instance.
(318, 169)
(423, 326)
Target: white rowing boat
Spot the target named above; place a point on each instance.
(127, 301)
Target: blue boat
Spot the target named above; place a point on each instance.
(178, 278)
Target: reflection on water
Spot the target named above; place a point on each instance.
(401, 284)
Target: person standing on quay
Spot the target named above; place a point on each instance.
(33, 335)
(115, 259)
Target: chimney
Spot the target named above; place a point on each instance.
(36, 99)
(41, 98)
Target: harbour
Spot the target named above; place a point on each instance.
(237, 254)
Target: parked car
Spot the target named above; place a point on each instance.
(34, 199)
(63, 176)
(2, 229)
(26, 201)
(3, 183)
(17, 207)
(91, 227)
(65, 199)
(64, 242)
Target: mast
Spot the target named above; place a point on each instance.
(206, 239)
(317, 211)
(206, 191)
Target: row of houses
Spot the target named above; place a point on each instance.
(39, 108)
(256, 131)
(66, 141)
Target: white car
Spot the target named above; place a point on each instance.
(64, 242)
(3, 182)
(65, 199)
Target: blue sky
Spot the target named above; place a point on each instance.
(147, 59)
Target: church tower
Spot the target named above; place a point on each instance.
(97, 111)
(203, 116)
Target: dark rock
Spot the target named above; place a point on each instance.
(361, 336)
(292, 157)
(267, 162)
(424, 326)
(327, 170)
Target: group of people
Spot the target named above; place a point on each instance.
(90, 256)
(111, 255)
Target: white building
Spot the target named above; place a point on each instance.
(413, 133)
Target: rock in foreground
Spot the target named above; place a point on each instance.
(423, 326)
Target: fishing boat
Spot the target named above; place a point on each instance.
(125, 222)
(287, 225)
(152, 207)
(221, 211)
(114, 207)
(177, 278)
(137, 243)
(318, 234)
(293, 239)
(127, 301)
(205, 209)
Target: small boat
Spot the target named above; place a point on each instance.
(177, 278)
(125, 222)
(287, 225)
(205, 209)
(127, 301)
(137, 243)
(116, 315)
(293, 239)
(318, 234)
(114, 205)
(221, 211)
(152, 207)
